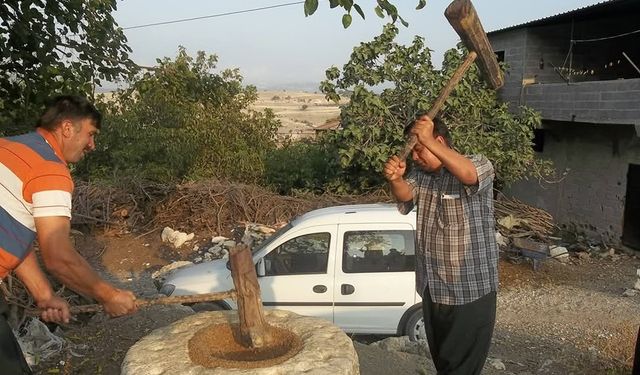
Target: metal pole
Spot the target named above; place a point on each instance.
(631, 62)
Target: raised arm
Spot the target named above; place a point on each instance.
(461, 167)
(394, 170)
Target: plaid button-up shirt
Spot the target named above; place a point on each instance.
(456, 250)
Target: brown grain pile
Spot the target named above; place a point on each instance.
(216, 346)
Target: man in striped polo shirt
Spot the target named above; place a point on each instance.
(456, 250)
(35, 202)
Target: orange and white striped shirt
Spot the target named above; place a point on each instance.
(34, 182)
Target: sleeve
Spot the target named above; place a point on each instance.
(486, 174)
(52, 203)
(49, 189)
(412, 179)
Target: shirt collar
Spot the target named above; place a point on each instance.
(51, 140)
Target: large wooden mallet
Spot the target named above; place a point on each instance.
(464, 19)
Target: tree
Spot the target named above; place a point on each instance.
(374, 123)
(183, 120)
(49, 47)
(383, 7)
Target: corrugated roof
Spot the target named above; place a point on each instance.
(600, 9)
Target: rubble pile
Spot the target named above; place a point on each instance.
(524, 232)
(217, 247)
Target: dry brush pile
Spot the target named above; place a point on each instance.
(208, 206)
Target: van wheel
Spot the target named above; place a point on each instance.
(206, 306)
(415, 326)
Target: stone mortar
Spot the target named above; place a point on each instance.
(326, 349)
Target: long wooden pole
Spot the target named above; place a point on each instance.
(439, 102)
(143, 302)
(254, 329)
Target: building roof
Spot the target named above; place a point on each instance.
(599, 10)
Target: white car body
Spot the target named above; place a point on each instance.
(335, 263)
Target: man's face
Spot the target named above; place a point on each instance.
(79, 140)
(425, 159)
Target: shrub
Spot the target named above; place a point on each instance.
(183, 121)
(300, 166)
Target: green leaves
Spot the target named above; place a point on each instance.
(382, 9)
(375, 119)
(359, 10)
(310, 7)
(184, 120)
(301, 166)
(346, 20)
(49, 47)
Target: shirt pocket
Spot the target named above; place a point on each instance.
(450, 210)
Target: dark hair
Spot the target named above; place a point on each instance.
(439, 128)
(68, 107)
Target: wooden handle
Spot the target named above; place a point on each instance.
(439, 102)
(142, 302)
(253, 327)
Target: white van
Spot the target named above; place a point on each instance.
(352, 265)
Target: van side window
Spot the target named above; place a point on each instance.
(307, 254)
(378, 251)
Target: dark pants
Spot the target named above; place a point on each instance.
(636, 357)
(459, 336)
(11, 358)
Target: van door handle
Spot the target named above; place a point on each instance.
(346, 289)
(319, 288)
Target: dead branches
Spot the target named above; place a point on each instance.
(116, 207)
(218, 206)
(517, 219)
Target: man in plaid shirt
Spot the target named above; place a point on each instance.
(456, 250)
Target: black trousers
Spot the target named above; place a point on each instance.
(636, 357)
(459, 336)
(12, 360)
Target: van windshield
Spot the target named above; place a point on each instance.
(272, 238)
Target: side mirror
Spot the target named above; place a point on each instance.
(260, 271)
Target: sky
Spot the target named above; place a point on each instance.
(280, 48)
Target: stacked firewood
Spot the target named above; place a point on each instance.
(518, 219)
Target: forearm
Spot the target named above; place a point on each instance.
(33, 278)
(401, 190)
(461, 167)
(72, 269)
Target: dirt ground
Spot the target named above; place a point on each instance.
(299, 112)
(563, 319)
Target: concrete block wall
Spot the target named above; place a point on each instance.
(552, 44)
(513, 44)
(608, 102)
(524, 48)
(592, 195)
